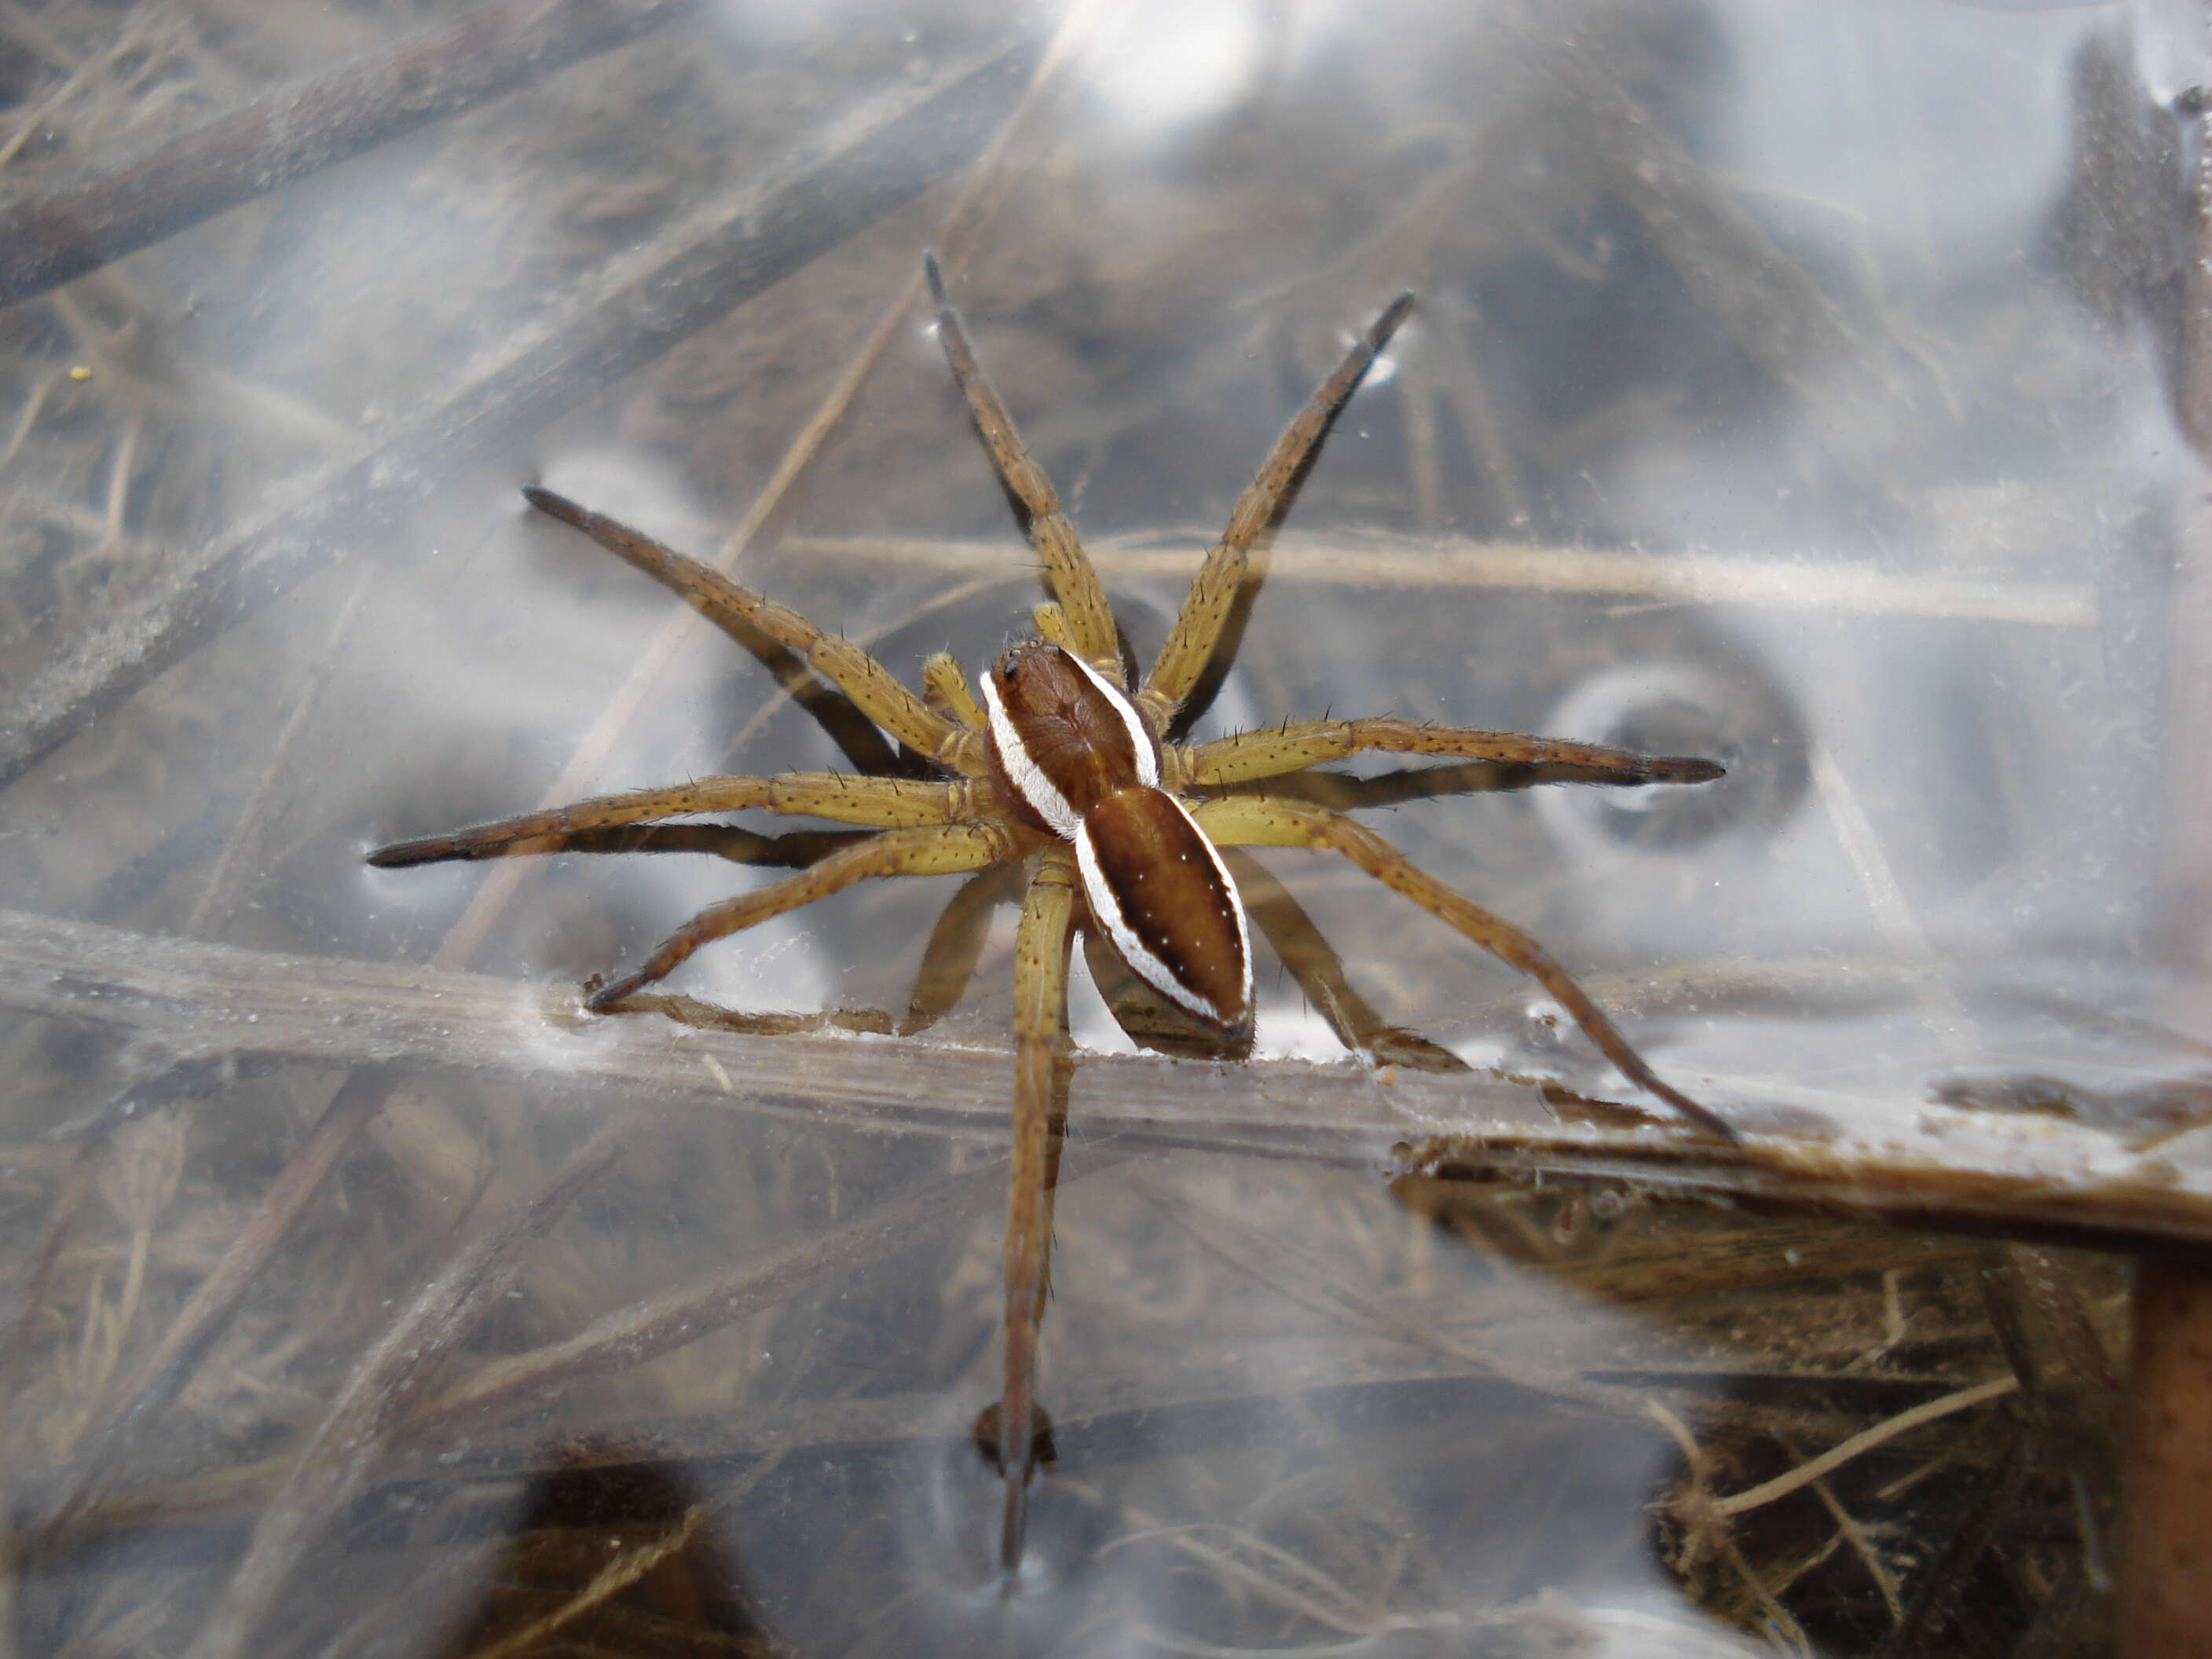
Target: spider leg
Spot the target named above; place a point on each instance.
(956, 945)
(1299, 946)
(744, 613)
(884, 803)
(1250, 820)
(1274, 751)
(1342, 791)
(1205, 611)
(941, 849)
(794, 850)
(1074, 583)
(1148, 1018)
(1040, 1014)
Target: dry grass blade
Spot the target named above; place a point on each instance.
(880, 157)
(616, 1577)
(1770, 303)
(1836, 1457)
(1819, 580)
(29, 1293)
(1940, 1585)
(391, 1377)
(203, 1320)
(301, 128)
(632, 1335)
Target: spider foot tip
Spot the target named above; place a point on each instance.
(1393, 314)
(601, 999)
(555, 505)
(1685, 768)
(936, 276)
(1703, 1118)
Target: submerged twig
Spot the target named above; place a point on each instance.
(1872, 1156)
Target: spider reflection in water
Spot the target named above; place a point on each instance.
(1062, 769)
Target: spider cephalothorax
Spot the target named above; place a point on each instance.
(1062, 768)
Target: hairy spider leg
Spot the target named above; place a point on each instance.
(955, 945)
(1254, 821)
(938, 850)
(1206, 610)
(880, 803)
(870, 686)
(1040, 1020)
(1074, 583)
(1311, 961)
(856, 737)
(1271, 752)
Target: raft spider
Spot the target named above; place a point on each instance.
(1062, 768)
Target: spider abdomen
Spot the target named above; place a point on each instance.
(1163, 897)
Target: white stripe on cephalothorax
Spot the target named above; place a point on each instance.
(1141, 740)
(1024, 774)
(1144, 962)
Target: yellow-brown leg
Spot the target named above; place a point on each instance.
(1040, 1014)
(1272, 751)
(854, 733)
(955, 946)
(870, 686)
(882, 803)
(1068, 566)
(943, 849)
(1212, 596)
(1299, 946)
(1253, 820)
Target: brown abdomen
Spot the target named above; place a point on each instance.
(1160, 894)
